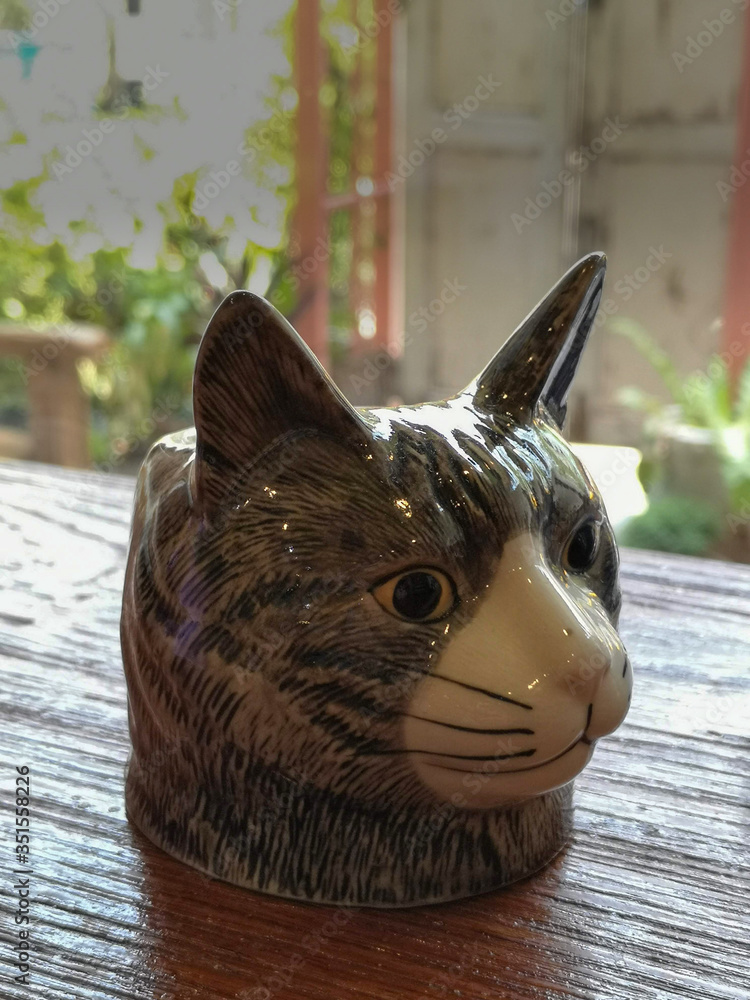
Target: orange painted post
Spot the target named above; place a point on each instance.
(736, 335)
(312, 248)
(359, 151)
(383, 256)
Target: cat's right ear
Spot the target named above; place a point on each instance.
(257, 384)
(537, 364)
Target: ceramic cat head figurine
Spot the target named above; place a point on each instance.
(368, 650)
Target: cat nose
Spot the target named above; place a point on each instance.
(578, 637)
(611, 699)
(581, 673)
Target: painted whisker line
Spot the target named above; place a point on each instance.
(489, 694)
(520, 770)
(455, 756)
(470, 729)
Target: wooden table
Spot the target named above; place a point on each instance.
(650, 899)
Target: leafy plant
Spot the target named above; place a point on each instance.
(703, 399)
(674, 524)
(154, 317)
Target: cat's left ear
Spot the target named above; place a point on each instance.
(539, 361)
(256, 387)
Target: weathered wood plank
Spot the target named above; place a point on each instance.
(650, 899)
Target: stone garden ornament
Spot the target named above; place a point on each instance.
(368, 650)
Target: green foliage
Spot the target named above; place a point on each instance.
(17, 202)
(155, 317)
(703, 399)
(14, 15)
(650, 350)
(147, 374)
(674, 524)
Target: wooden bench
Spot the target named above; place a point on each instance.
(59, 411)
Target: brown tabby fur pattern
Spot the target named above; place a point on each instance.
(266, 687)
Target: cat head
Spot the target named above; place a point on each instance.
(415, 603)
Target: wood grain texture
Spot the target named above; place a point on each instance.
(650, 900)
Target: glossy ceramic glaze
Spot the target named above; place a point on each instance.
(367, 651)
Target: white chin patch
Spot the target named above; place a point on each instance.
(520, 694)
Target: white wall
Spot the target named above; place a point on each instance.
(202, 88)
(655, 184)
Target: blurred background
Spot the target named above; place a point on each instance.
(404, 179)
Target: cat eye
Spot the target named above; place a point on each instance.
(582, 549)
(417, 595)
